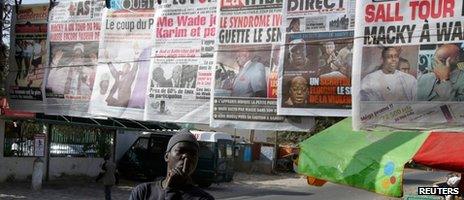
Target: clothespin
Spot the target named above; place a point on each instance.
(52, 4)
(17, 4)
(108, 4)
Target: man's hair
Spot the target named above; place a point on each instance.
(158, 70)
(298, 78)
(385, 49)
(404, 61)
(79, 46)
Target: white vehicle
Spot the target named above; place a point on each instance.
(211, 136)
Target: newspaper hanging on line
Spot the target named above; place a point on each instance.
(316, 58)
(410, 64)
(246, 66)
(180, 73)
(124, 53)
(74, 32)
(28, 58)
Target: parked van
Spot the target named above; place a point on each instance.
(216, 158)
(145, 158)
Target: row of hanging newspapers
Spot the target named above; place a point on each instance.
(268, 65)
(138, 60)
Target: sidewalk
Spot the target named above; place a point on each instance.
(79, 188)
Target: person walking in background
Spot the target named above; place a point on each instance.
(109, 176)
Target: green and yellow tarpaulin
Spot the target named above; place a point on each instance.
(371, 160)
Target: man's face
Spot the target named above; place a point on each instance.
(104, 86)
(446, 51)
(296, 26)
(329, 47)
(298, 90)
(183, 154)
(242, 58)
(390, 60)
(78, 54)
(93, 58)
(158, 75)
(177, 73)
(297, 55)
(349, 45)
(404, 67)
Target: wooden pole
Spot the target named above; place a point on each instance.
(276, 150)
(48, 133)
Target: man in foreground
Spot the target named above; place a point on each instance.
(181, 157)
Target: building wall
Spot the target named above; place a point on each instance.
(74, 166)
(13, 167)
(16, 168)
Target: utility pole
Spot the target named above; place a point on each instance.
(276, 152)
(252, 136)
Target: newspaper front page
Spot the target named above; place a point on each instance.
(409, 68)
(125, 49)
(28, 58)
(181, 70)
(316, 58)
(74, 33)
(245, 77)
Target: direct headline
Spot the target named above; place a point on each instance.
(315, 5)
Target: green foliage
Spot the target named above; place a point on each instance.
(293, 138)
(7, 152)
(5, 24)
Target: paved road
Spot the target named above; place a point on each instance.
(286, 187)
(299, 190)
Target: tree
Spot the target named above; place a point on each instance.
(6, 10)
(293, 138)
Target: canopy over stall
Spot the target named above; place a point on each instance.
(369, 160)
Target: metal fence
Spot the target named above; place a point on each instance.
(74, 141)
